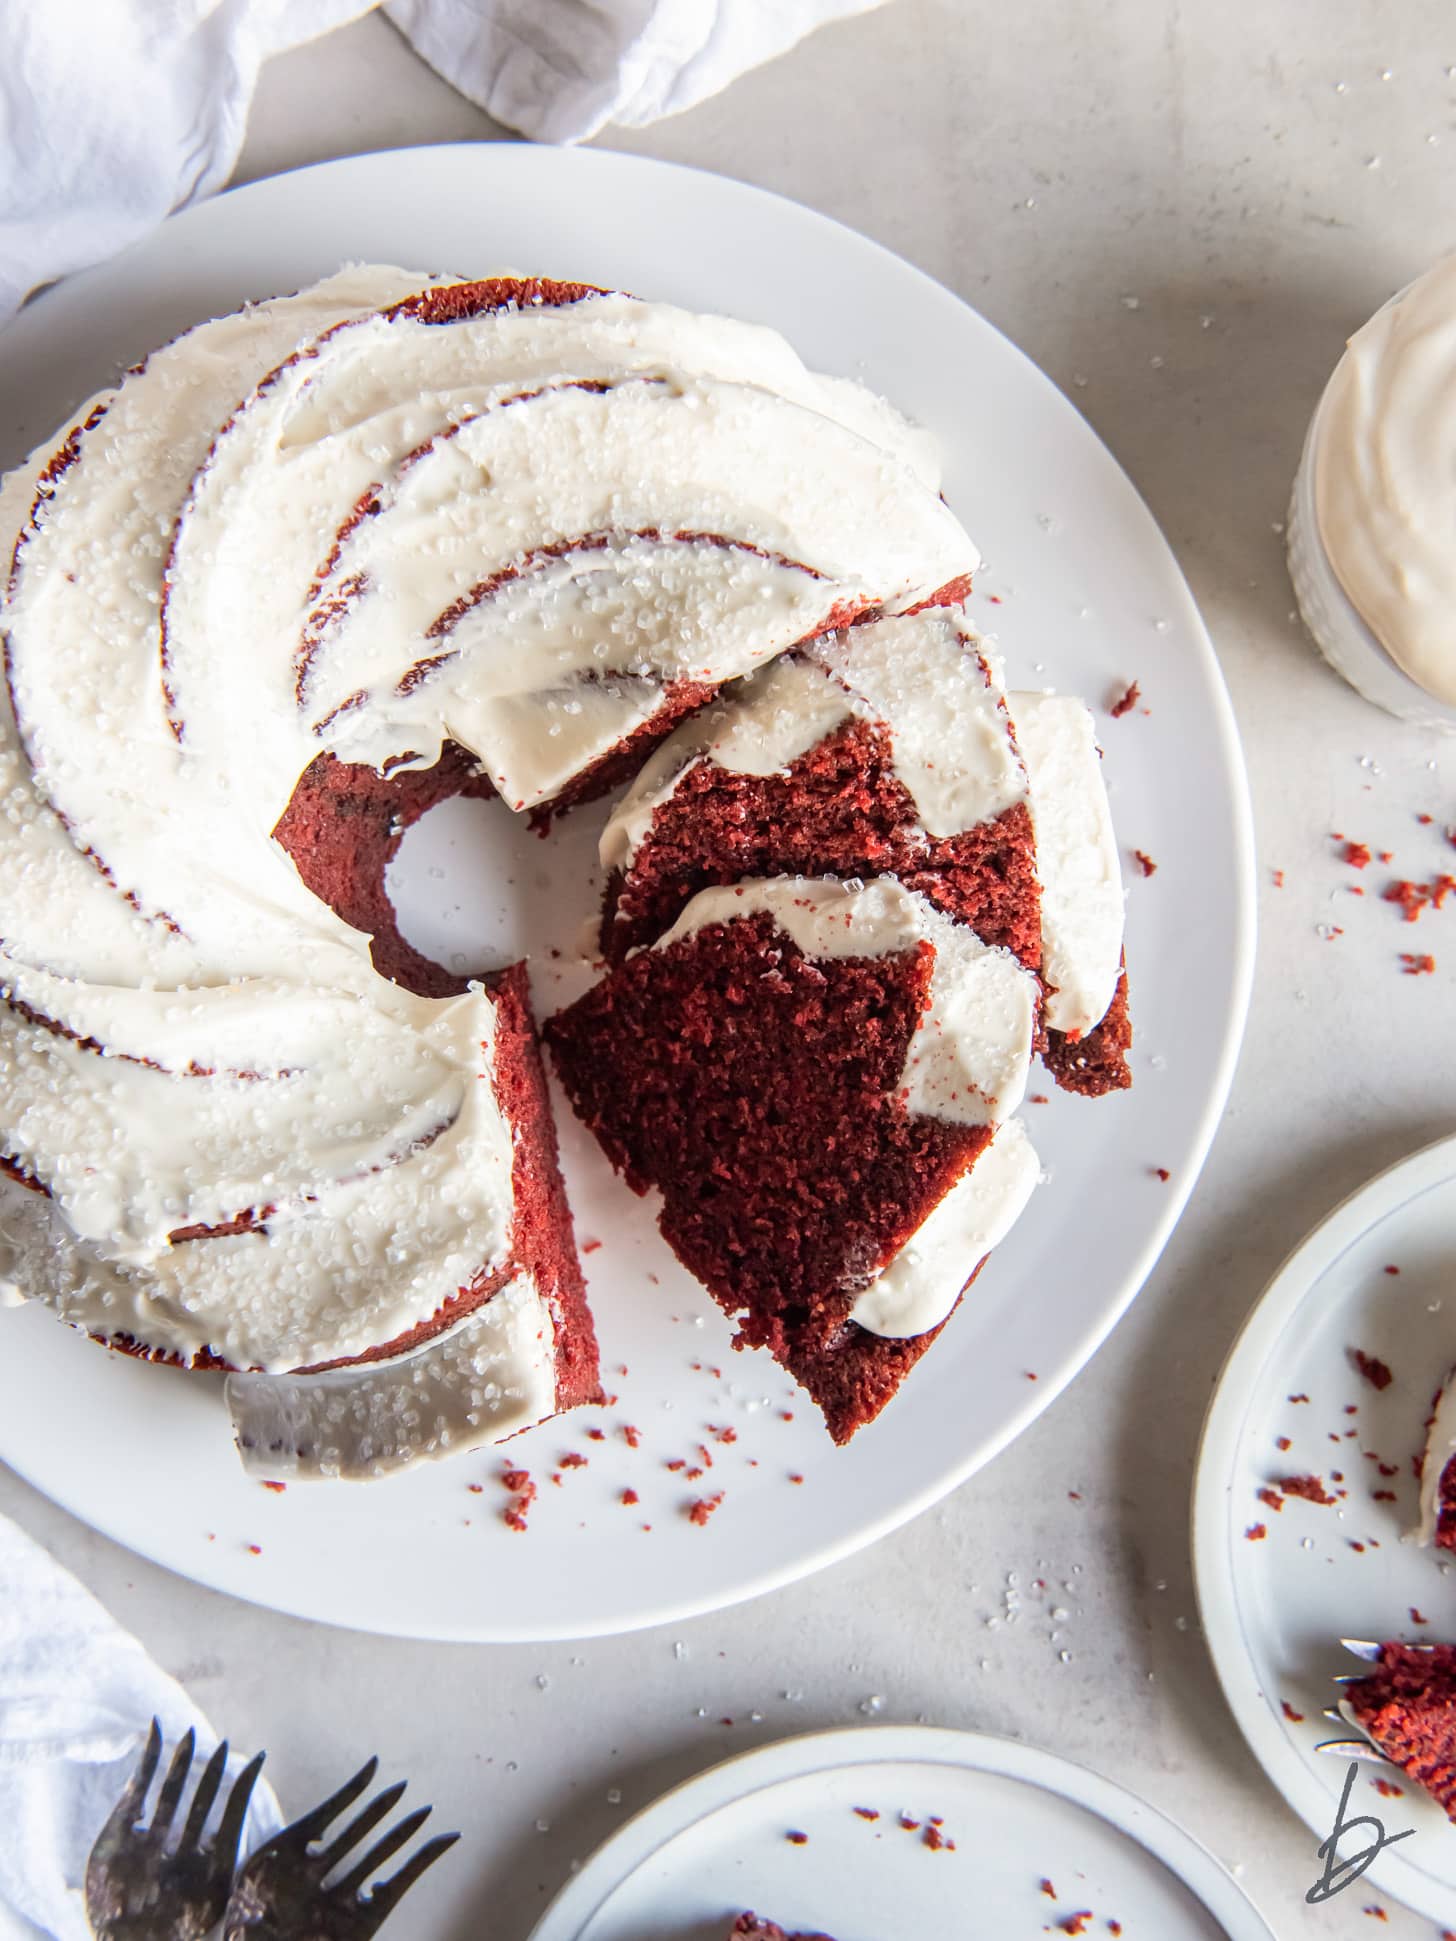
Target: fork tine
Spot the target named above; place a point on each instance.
(388, 1894)
(128, 1809)
(312, 1825)
(230, 1827)
(172, 1785)
(202, 1799)
(362, 1824)
(383, 1850)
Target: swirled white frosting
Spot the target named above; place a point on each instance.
(1082, 908)
(1385, 477)
(569, 508)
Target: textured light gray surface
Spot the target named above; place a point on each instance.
(1256, 185)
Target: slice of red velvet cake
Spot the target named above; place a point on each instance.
(807, 1070)
(887, 749)
(1407, 1709)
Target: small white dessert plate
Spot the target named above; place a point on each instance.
(1275, 1607)
(1082, 593)
(786, 1833)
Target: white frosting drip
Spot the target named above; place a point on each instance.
(920, 1286)
(1076, 859)
(1440, 1448)
(1385, 478)
(968, 1055)
(920, 675)
(489, 1376)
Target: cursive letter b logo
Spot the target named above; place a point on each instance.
(1339, 1874)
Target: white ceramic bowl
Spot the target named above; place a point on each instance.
(1338, 629)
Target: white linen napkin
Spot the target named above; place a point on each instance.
(115, 112)
(77, 1696)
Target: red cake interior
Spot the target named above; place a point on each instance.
(1446, 1512)
(1408, 1708)
(758, 1090)
(837, 810)
(1097, 1063)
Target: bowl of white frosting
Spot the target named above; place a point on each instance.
(1372, 523)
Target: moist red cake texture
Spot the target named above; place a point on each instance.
(840, 810)
(1407, 1707)
(837, 810)
(759, 1090)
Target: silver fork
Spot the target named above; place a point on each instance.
(1362, 1747)
(140, 1888)
(282, 1891)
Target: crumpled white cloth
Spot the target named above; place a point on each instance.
(77, 1696)
(115, 112)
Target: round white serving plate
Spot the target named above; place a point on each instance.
(1082, 592)
(1274, 1609)
(686, 1867)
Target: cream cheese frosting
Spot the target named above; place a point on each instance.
(1385, 478)
(919, 1287)
(1076, 858)
(334, 523)
(1440, 1448)
(968, 1055)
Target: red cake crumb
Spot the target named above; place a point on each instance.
(868, 1812)
(937, 1841)
(630, 1496)
(277, 1488)
(1416, 1617)
(797, 1839)
(574, 1459)
(631, 1436)
(516, 1479)
(1407, 1707)
(1257, 1532)
(1377, 1913)
(703, 1508)
(1309, 1487)
(1392, 1270)
(1126, 702)
(1076, 1923)
(1299, 1398)
(591, 1246)
(1283, 1442)
(596, 1435)
(1416, 966)
(1294, 1718)
(795, 1477)
(1383, 1496)
(1386, 1790)
(254, 1549)
(1049, 1890)
(1162, 1173)
(1271, 1499)
(1145, 863)
(1356, 855)
(1375, 1371)
(910, 1826)
(1278, 876)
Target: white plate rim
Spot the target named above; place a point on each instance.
(1079, 1348)
(634, 1843)
(1223, 1428)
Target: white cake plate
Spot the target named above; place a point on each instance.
(1082, 592)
